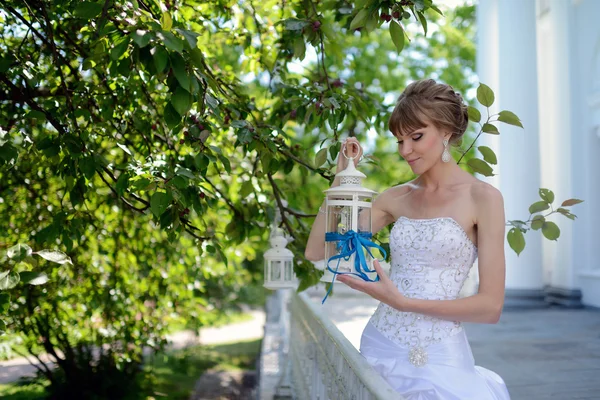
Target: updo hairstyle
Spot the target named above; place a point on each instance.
(426, 100)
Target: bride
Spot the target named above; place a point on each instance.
(442, 221)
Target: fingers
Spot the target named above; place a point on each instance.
(349, 281)
(379, 269)
(355, 150)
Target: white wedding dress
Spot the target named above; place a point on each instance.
(422, 357)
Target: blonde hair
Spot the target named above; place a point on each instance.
(428, 101)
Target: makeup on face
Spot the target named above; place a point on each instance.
(419, 146)
(406, 146)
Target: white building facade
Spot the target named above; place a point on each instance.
(542, 59)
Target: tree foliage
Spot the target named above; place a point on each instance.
(151, 141)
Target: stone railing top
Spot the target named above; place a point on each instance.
(372, 381)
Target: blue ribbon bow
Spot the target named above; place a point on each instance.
(348, 244)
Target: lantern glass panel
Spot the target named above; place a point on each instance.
(275, 270)
(266, 269)
(364, 219)
(339, 220)
(288, 271)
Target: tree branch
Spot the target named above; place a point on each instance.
(33, 104)
(229, 202)
(276, 193)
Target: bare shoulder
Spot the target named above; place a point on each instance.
(483, 191)
(392, 194)
(486, 198)
(387, 202)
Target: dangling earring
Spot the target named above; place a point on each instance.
(446, 156)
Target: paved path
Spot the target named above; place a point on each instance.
(12, 370)
(541, 354)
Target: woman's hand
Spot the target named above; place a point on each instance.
(353, 149)
(383, 290)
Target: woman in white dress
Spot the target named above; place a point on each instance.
(442, 221)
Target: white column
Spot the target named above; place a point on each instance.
(507, 63)
(561, 157)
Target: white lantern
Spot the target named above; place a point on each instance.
(279, 263)
(348, 227)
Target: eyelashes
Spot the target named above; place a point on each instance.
(415, 138)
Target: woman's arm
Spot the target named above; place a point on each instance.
(483, 307)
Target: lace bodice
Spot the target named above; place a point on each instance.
(431, 259)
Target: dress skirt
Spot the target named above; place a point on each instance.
(449, 372)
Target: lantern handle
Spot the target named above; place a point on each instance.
(344, 153)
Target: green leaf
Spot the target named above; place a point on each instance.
(509, 118)
(334, 150)
(566, 213)
(166, 21)
(180, 71)
(55, 256)
(321, 157)
(397, 34)
(181, 100)
(33, 278)
(88, 64)
(35, 114)
(246, 189)
(9, 280)
(139, 184)
(185, 172)
(124, 148)
(122, 183)
(201, 161)
(141, 37)
(119, 49)
(18, 252)
(88, 10)
(161, 58)
(547, 195)
(4, 302)
(571, 202)
(423, 22)
(538, 222)
(88, 166)
(159, 203)
(522, 225)
(359, 19)
(516, 240)
(550, 230)
(171, 41)
(489, 128)
(485, 95)
(225, 162)
(190, 36)
(480, 166)
(488, 154)
(299, 47)
(83, 113)
(538, 206)
(371, 23)
(474, 114)
(293, 24)
(2, 327)
(172, 117)
(180, 182)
